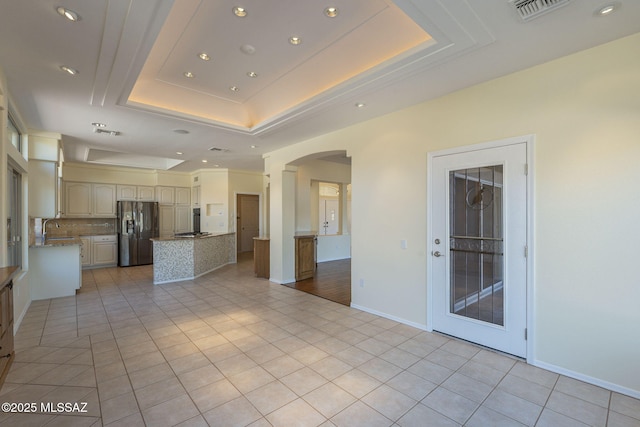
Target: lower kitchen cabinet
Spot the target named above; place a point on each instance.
(104, 250)
(99, 251)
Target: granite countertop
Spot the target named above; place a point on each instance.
(173, 238)
(56, 241)
(6, 274)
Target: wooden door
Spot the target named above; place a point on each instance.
(248, 225)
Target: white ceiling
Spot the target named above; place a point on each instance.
(131, 56)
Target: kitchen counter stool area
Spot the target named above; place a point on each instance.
(185, 258)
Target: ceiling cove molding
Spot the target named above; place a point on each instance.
(458, 31)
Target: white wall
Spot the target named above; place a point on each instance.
(333, 247)
(585, 112)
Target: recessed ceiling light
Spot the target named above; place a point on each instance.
(69, 70)
(205, 161)
(68, 13)
(204, 56)
(252, 74)
(360, 104)
(608, 9)
(294, 40)
(234, 88)
(254, 146)
(331, 12)
(179, 153)
(240, 11)
(247, 49)
(98, 125)
(216, 166)
(189, 74)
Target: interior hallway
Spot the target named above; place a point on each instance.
(231, 349)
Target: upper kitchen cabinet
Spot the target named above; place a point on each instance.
(104, 200)
(183, 196)
(78, 200)
(166, 195)
(83, 199)
(43, 191)
(44, 174)
(136, 192)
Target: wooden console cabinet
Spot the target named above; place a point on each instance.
(261, 259)
(305, 256)
(7, 353)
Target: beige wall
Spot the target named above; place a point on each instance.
(584, 111)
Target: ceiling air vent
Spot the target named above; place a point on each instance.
(530, 9)
(220, 150)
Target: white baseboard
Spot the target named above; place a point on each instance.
(18, 321)
(420, 326)
(586, 378)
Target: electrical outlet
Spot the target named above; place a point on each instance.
(362, 283)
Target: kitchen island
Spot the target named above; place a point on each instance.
(184, 258)
(54, 267)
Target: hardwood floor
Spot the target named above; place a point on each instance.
(331, 281)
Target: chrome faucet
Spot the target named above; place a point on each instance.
(44, 227)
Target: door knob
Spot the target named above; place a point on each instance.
(437, 254)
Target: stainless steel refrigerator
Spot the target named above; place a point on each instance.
(137, 224)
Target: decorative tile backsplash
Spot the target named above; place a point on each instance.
(73, 227)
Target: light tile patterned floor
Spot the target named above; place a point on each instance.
(232, 350)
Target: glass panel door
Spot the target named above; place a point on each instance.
(476, 244)
(478, 229)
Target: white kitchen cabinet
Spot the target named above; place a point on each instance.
(104, 200)
(140, 193)
(146, 194)
(195, 196)
(167, 220)
(165, 195)
(182, 219)
(43, 189)
(85, 251)
(127, 192)
(183, 196)
(83, 199)
(104, 250)
(78, 199)
(99, 251)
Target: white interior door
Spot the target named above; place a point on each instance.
(478, 247)
(329, 213)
